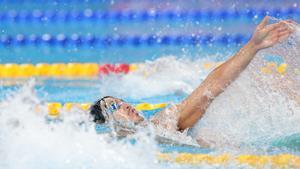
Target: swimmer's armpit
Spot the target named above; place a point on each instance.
(167, 118)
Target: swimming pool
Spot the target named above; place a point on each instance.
(162, 51)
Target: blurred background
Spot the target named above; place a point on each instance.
(127, 31)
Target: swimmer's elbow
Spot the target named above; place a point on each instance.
(183, 124)
(190, 121)
(180, 126)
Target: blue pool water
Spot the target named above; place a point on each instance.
(248, 118)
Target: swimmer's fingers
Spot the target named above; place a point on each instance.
(290, 21)
(286, 24)
(274, 30)
(291, 24)
(263, 23)
(279, 35)
(268, 35)
(283, 35)
(283, 27)
(277, 28)
(285, 30)
(271, 27)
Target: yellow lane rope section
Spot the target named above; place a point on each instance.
(55, 108)
(256, 161)
(75, 70)
(48, 70)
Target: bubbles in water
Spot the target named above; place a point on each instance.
(295, 5)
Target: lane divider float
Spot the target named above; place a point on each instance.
(272, 67)
(145, 15)
(54, 108)
(83, 70)
(255, 161)
(58, 70)
(120, 40)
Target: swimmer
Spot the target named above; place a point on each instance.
(184, 115)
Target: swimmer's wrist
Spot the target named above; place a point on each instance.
(252, 46)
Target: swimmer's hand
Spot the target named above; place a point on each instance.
(268, 35)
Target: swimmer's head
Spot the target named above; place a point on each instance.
(113, 109)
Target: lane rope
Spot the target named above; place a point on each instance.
(55, 108)
(58, 70)
(255, 161)
(94, 70)
(145, 15)
(120, 40)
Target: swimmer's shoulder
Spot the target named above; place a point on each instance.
(167, 118)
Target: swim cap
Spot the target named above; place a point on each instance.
(97, 112)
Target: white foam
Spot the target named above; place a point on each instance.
(166, 75)
(27, 142)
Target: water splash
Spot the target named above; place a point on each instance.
(27, 141)
(257, 109)
(252, 113)
(166, 75)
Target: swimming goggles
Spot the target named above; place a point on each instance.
(120, 126)
(110, 108)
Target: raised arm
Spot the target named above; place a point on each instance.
(195, 105)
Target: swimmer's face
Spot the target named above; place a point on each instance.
(123, 111)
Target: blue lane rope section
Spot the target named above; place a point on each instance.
(65, 16)
(92, 40)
